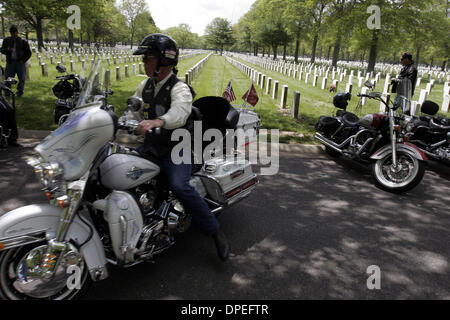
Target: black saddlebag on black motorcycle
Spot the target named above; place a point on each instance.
(327, 125)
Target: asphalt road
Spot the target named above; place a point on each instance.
(310, 232)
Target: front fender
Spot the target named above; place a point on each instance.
(405, 147)
(40, 221)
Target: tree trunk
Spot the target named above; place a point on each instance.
(373, 52)
(70, 39)
(284, 50)
(3, 27)
(297, 45)
(419, 47)
(444, 65)
(313, 51)
(39, 34)
(328, 53)
(58, 41)
(274, 48)
(337, 47)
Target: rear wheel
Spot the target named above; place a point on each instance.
(20, 278)
(408, 173)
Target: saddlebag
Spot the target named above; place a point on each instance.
(227, 180)
(327, 125)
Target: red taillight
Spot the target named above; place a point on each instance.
(249, 183)
(242, 187)
(233, 192)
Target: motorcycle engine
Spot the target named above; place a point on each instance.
(443, 153)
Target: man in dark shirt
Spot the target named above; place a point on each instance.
(409, 70)
(17, 51)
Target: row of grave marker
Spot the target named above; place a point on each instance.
(300, 69)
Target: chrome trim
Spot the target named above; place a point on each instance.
(23, 239)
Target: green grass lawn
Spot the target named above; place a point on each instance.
(35, 109)
(213, 79)
(316, 101)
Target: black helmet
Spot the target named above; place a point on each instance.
(340, 100)
(162, 45)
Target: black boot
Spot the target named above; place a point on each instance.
(223, 248)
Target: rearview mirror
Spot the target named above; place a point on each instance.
(134, 104)
(368, 84)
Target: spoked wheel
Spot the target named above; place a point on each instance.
(406, 175)
(20, 277)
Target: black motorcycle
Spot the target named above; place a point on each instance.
(8, 125)
(376, 140)
(430, 132)
(67, 90)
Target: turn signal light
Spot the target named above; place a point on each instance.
(49, 195)
(2, 245)
(63, 201)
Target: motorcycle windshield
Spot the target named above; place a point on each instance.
(75, 144)
(403, 98)
(94, 85)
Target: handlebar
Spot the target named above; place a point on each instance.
(131, 125)
(66, 77)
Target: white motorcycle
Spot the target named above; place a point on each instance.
(106, 204)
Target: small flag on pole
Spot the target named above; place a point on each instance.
(229, 93)
(251, 96)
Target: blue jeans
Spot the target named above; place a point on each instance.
(18, 68)
(178, 176)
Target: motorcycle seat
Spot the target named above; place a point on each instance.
(438, 127)
(350, 119)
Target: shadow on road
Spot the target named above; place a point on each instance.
(310, 232)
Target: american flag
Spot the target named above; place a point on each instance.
(229, 93)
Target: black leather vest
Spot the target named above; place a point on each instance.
(158, 145)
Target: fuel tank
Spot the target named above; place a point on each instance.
(76, 143)
(125, 171)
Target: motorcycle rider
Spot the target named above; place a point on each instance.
(170, 106)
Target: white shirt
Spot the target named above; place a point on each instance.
(180, 107)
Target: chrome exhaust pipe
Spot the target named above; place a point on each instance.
(327, 142)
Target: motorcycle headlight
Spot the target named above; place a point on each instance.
(50, 174)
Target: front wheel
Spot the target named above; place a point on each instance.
(20, 275)
(408, 173)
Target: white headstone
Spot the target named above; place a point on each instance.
(324, 83)
(423, 96)
(363, 99)
(445, 103)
